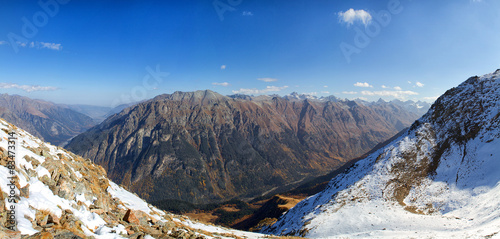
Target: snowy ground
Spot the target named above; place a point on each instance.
(42, 198)
(460, 199)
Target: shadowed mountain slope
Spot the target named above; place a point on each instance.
(204, 147)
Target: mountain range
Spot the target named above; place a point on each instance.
(46, 120)
(54, 123)
(205, 147)
(438, 180)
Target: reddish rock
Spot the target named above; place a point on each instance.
(129, 230)
(130, 217)
(10, 234)
(53, 219)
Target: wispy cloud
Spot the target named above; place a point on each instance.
(365, 84)
(51, 46)
(221, 83)
(4, 43)
(267, 79)
(419, 84)
(260, 91)
(223, 67)
(27, 88)
(247, 13)
(398, 88)
(430, 98)
(362, 98)
(398, 94)
(41, 45)
(350, 16)
(325, 92)
(349, 92)
(385, 87)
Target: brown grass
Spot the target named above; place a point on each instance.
(206, 217)
(230, 208)
(291, 201)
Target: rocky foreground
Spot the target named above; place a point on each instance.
(57, 194)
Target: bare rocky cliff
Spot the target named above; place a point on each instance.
(204, 147)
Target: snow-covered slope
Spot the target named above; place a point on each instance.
(439, 180)
(59, 193)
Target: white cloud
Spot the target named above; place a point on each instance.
(325, 86)
(350, 16)
(257, 91)
(223, 67)
(40, 45)
(399, 94)
(385, 87)
(247, 13)
(267, 79)
(221, 84)
(311, 93)
(409, 82)
(430, 98)
(51, 46)
(397, 88)
(349, 92)
(365, 84)
(325, 92)
(3, 43)
(419, 84)
(27, 88)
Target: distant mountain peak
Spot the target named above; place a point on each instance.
(199, 96)
(296, 96)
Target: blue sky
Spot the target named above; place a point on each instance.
(111, 52)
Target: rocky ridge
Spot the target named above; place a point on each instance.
(58, 194)
(439, 179)
(205, 147)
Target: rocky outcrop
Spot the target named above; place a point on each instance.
(58, 194)
(203, 147)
